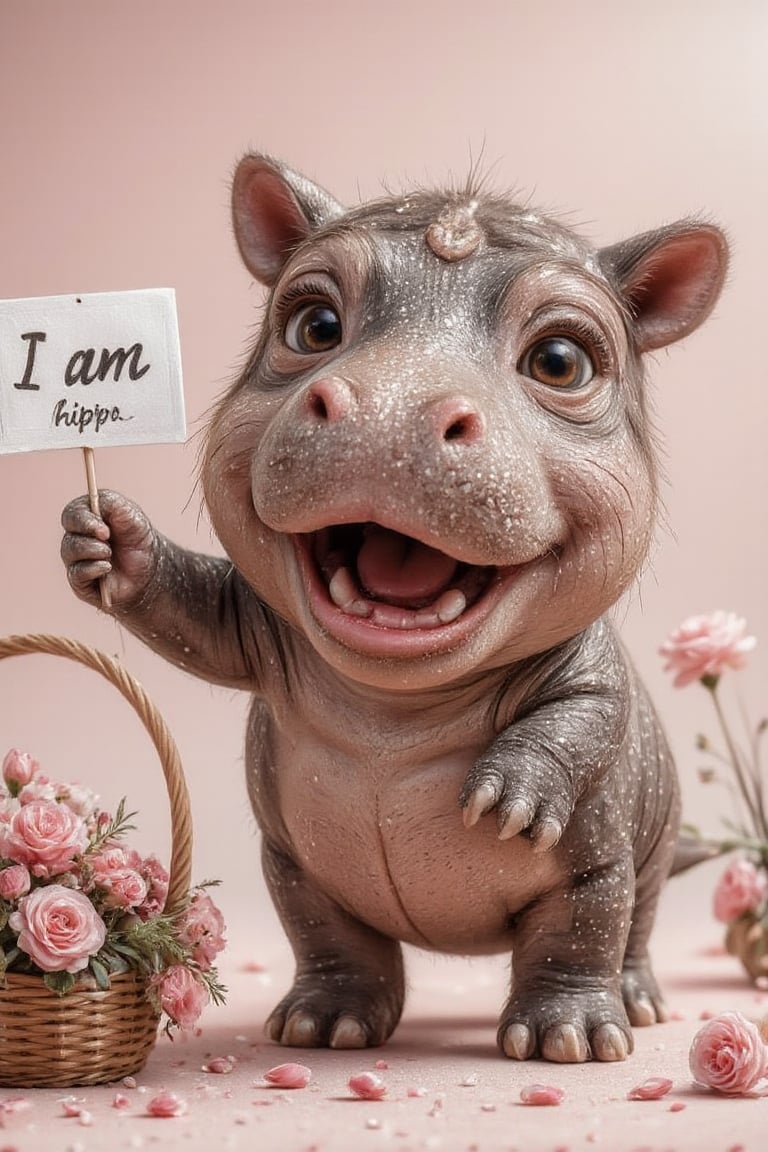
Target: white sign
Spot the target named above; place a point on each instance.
(90, 371)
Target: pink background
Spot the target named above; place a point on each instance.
(120, 129)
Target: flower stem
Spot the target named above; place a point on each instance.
(753, 803)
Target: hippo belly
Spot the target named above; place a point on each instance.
(396, 855)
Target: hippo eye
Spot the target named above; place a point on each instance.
(313, 328)
(558, 362)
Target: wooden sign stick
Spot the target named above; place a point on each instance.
(93, 496)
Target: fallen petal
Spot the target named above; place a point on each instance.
(220, 1064)
(368, 1086)
(289, 1076)
(542, 1094)
(166, 1104)
(651, 1089)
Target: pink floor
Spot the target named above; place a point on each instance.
(469, 1097)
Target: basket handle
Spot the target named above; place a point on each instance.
(180, 870)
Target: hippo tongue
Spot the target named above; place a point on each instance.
(401, 570)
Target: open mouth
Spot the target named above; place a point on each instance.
(379, 576)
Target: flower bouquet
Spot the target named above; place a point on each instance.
(702, 649)
(97, 944)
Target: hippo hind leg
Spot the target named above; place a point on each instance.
(349, 985)
(642, 998)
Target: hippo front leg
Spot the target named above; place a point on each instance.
(349, 986)
(566, 1000)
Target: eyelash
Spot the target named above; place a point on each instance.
(303, 290)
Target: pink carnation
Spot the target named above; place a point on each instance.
(58, 928)
(18, 769)
(728, 1055)
(41, 788)
(742, 888)
(182, 996)
(201, 929)
(46, 836)
(15, 882)
(706, 646)
(156, 878)
(122, 886)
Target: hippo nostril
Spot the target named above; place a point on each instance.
(329, 400)
(459, 423)
(317, 406)
(457, 431)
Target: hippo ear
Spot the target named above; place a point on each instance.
(274, 210)
(670, 279)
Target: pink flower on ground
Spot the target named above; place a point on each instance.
(18, 769)
(728, 1054)
(742, 888)
(201, 928)
(706, 646)
(15, 882)
(289, 1076)
(182, 996)
(46, 836)
(58, 928)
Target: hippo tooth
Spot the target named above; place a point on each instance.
(450, 606)
(345, 596)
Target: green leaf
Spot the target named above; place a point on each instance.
(128, 952)
(112, 962)
(59, 982)
(100, 973)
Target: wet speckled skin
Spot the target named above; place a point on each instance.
(447, 744)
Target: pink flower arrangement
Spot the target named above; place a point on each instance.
(74, 900)
(729, 1055)
(703, 648)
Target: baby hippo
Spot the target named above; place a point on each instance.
(433, 478)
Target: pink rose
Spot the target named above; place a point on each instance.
(728, 1055)
(201, 928)
(58, 928)
(44, 835)
(182, 996)
(706, 646)
(15, 882)
(742, 888)
(18, 769)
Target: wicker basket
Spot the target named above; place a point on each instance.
(90, 1036)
